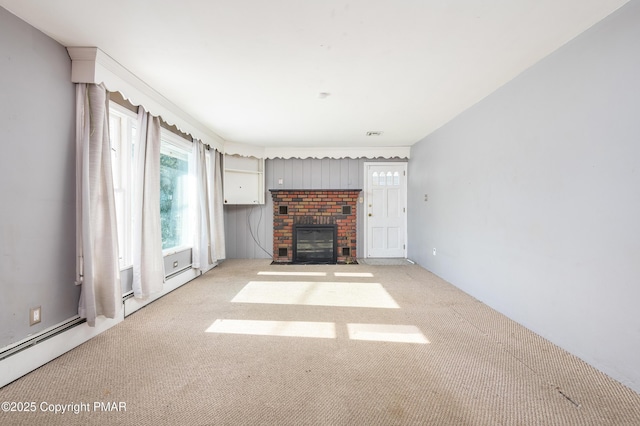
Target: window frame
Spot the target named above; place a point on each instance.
(125, 122)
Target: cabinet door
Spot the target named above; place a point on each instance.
(243, 180)
(243, 188)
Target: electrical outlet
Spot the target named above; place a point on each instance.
(434, 251)
(35, 315)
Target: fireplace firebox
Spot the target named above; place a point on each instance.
(315, 244)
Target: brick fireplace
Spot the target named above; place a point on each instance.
(298, 208)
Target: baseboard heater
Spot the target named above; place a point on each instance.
(62, 327)
(178, 271)
(47, 334)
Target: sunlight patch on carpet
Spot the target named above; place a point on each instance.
(386, 333)
(344, 294)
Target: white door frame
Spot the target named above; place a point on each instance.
(367, 196)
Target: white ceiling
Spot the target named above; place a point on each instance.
(253, 71)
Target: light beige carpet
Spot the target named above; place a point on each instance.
(327, 345)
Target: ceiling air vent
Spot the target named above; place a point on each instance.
(374, 133)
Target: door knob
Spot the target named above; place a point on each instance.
(370, 214)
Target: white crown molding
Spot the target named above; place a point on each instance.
(91, 65)
(245, 150)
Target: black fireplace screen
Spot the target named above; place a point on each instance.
(314, 244)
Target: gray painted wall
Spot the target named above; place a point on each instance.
(534, 198)
(37, 181)
(245, 226)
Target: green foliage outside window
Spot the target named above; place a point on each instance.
(173, 202)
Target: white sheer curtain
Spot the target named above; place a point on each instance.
(148, 263)
(201, 252)
(97, 267)
(217, 201)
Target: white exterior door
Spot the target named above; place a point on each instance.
(386, 209)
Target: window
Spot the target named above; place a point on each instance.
(177, 195)
(122, 133)
(386, 179)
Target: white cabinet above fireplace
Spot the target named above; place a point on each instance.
(243, 180)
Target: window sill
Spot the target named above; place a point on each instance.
(174, 250)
